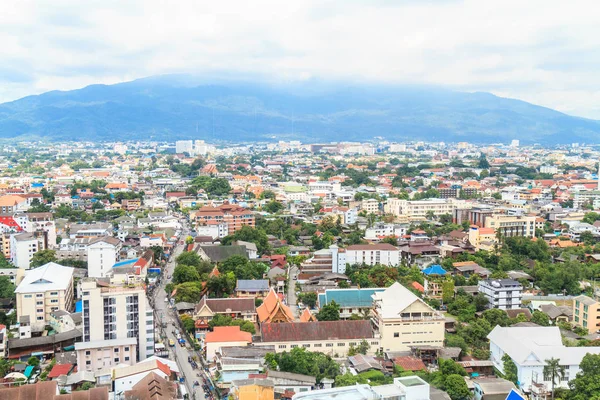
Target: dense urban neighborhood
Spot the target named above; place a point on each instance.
(287, 270)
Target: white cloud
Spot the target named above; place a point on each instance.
(544, 51)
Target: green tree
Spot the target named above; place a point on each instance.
(301, 361)
(188, 323)
(273, 207)
(586, 385)
(309, 299)
(33, 361)
(189, 258)
(329, 312)
(185, 273)
(43, 257)
(447, 290)
(456, 387)
(189, 292)
(554, 371)
(249, 234)
(540, 318)
(393, 240)
(7, 289)
(510, 369)
(483, 162)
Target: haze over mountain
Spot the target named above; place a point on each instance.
(180, 106)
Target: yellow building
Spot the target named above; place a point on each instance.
(404, 320)
(586, 313)
(252, 389)
(482, 238)
(512, 225)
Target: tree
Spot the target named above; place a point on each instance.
(586, 386)
(218, 187)
(43, 257)
(273, 207)
(249, 234)
(329, 312)
(309, 299)
(301, 361)
(447, 290)
(393, 240)
(33, 361)
(185, 273)
(362, 348)
(510, 369)
(553, 371)
(188, 292)
(37, 206)
(189, 258)
(189, 240)
(7, 289)
(456, 387)
(540, 318)
(481, 302)
(483, 162)
(188, 323)
(243, 268)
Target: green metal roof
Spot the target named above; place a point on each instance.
(349, 297)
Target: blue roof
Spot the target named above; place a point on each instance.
(28, 370)
(349, 297)
(514, 395)
(126, 262)
(434, 270)
(37, 184)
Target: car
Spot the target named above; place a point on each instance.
(169, 276)
(171, 343)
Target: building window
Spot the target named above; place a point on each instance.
(28, 296)
(396, 334)
(341, 344)
(329, 345)
(116, 359)
(317, 345)
(116, 350)
(87, 353)
(40, 310)
(88, 362)
(283, 346)
(126, 358)
(39, 303)
(127, 348)
(293, 346)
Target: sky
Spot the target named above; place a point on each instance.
(542, 51)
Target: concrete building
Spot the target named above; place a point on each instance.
(383, 253)
(184, 146)
(482, 238)
(329, 337)
(505, 294)
(417, 210)
(403, 320)
(43, 290)
(225, 336)
(102, 254)
(24, 245)
(381, 230)
(233, 215)
(351, 301)
(512, 225)
(529, 348)
(586, 313)
(370, 206)
(115, 317)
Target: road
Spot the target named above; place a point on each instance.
(291, 290)
(165, 314)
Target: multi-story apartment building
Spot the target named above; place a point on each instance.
(505, 294)
(118, 325)
(403, 320)
(233, 215)
(416, 210)
(371, 254)
(482, 238)
(42, 222)
(512, 225)
(24, 245)
(43, 290)
(586, 313)
(102, 254)
(214, 229)
(370, 206)
(382, 230)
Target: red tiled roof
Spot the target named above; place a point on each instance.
(60, 369)
(227, 334)
(409, 363)
(320, 330)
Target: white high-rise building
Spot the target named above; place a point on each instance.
(102, 254)
(118, 325)
(184, 146)
(514, 143)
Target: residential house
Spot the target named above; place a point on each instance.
(44, 290)
(383, 253)
(404, 320)
(358, 301)
(252, 389)
(329, 337)
(256, 288)
(586, 313)
(529, 348)
(505, 294)
(237, 308)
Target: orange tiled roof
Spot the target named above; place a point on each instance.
(273, 310)
(307, 316)
(227, 334)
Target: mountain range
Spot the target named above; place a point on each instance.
(174, 107)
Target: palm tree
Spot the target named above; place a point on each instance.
(554, 370)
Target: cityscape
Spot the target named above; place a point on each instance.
(313, 200)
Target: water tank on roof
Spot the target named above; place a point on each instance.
(496, 284)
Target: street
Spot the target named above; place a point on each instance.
(291, 291)
(167, 315)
